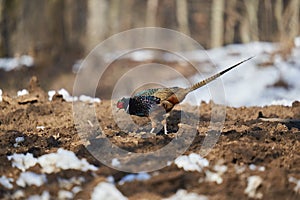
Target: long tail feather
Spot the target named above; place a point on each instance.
(206, 81)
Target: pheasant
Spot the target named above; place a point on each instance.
(147, 102)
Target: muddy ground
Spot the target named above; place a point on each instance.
(246, 139)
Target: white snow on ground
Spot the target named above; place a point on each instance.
(40, 128)
(110, 179)
(19, 194)
(63, 159)
(142, 176)
(253, 183)
(6, 182)
(22, 161)
(297, 182)
(85, 98)
(64, 194)
(192, 162)
(51, 93)
(44, 196)
(22, 92)
(8, 64)
(70, 183)
(297, 41)
(259, 168)
(18, 141)
(239, 169)
(66, 95)
(115, 162)
(214, 176)
(31, 178)
(52, 162)
(107, 191)
(76, 66)
(184, 195)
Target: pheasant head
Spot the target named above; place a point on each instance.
(123, 103)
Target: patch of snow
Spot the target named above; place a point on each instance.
(253, 183)
(142, 176)
(9, 64)
(64, 194)
(192, 162)
(0, 95)
(52, 162)
(169, 163)
(110, 179)
(40, 127)
(212, 177)
(297, 41)
(184, 195)
(69, 183)
(283, 102)
(142, 55)
(66, 95)
(239, 169)
(18, 140)
(115, 162)
(6, 182)
(31, 178)
(76, 66)
(88, 99)
(22, 161)
(259, 168)
(19, 194)
(297, 182)
(221, 169)
(215, 176)
(22, 92)
(107, 191)
(44, 196)
(27, 61)
(51, 93)
(63, 159)
(76, 189)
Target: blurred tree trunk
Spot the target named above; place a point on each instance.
(96, 23)
(249, 25)
(75, 18)
(114, 10)
(266, 21)
(278, 10)
(182, 16)
(217, 24)
(3, 28)
(288, 25)
(10, 12)
(126, 13)
(231, 21)
(290, 19)
(151, 12)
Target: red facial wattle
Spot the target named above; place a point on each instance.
(120, 105)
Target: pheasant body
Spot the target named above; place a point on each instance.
(148, 101)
